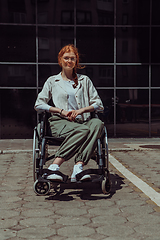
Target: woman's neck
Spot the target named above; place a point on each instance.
(67, 75)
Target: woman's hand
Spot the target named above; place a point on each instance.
(74, 113)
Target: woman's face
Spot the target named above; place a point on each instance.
(68, 60)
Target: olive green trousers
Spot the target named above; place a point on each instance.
(80, 138)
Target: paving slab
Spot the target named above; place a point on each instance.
(80, 211)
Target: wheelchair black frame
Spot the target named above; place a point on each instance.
(41, 140)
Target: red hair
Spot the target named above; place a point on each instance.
(66, 49)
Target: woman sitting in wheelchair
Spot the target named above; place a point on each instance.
(74, 97)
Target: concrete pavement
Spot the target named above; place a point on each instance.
(80, 211)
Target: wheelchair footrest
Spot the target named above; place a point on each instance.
(90, 171)
(42, 180)
(48, 172)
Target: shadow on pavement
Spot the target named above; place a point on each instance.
(85, 191)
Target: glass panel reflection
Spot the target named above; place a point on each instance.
(18, 118)
(132, 76)
(95, 12)
(17, 75)
(95, 44)
(155, 76)
(155, 47)
(132, 112)
(155, 113)
(17, 44)
(155, 12)
(101, 76)
(51, 40)
(133, 45)
(133, 12)
(17, 11)
(55, 12)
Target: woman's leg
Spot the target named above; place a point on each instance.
(87, 148)
(58, 161)
(79, 138)
(74, 133)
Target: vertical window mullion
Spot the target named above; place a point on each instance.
(75, 42)
(115, 68)
(37, 82)
(150, 68)
(36, 13)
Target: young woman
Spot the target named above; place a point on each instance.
(74, 97)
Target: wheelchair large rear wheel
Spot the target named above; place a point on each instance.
(36, 154)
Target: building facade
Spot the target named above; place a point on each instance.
(119, 45)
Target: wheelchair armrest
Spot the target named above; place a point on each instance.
(94, 114)
(43, 115)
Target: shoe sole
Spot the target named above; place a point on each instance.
(55, 179)
(83, 179)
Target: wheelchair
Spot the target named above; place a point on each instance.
(42, 139)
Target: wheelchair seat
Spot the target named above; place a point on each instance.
(42, 138)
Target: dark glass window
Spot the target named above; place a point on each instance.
(51, 40)
(143, 12)
(105, 18)
(16, 75)
(67, 17)
(132, 116)
(155, 46)
(155, 76)
(17, 44)
(155, 112)
(101, 76)
(132, 76)
(155, 93)
(17, 11)
(133, 12)
(95, 44)
(112, 36)
(133, 45)
(18, 117)
(155, 12)
(84, 17)
(105, 10)
(42, 17)
(55, 12)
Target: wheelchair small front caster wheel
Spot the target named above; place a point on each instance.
(106, 185)
(41, 188)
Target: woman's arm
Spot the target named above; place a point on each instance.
(62, 112)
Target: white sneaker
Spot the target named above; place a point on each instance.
(55, 177)
(77, 169)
